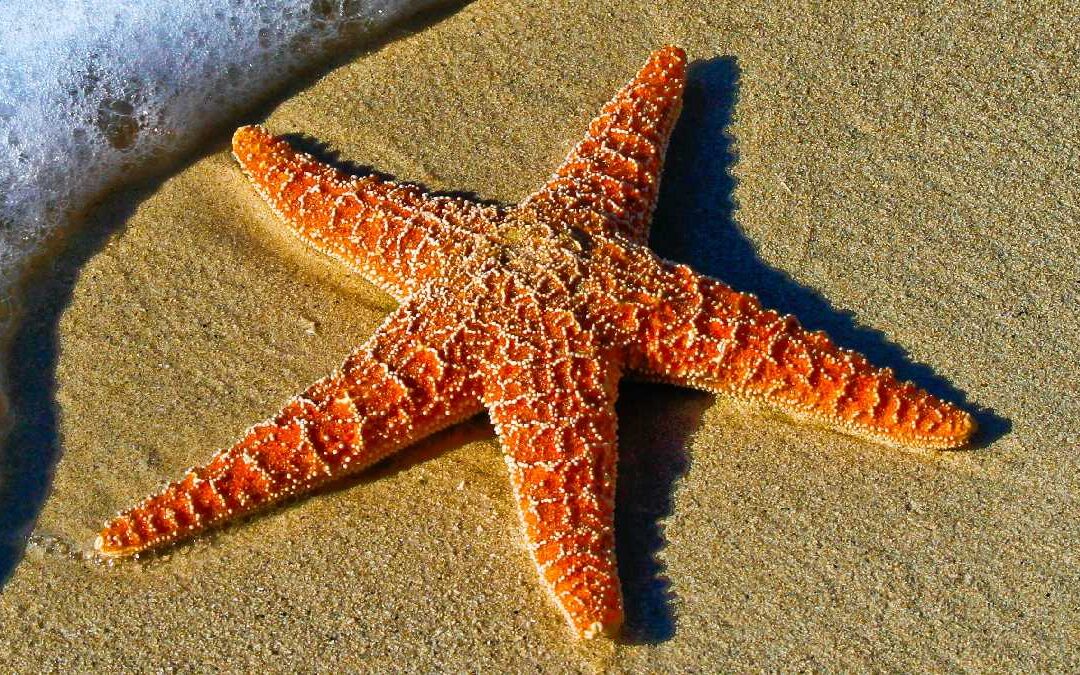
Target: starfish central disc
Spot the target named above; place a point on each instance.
(532, 312)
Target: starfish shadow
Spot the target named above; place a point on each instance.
(652, 457)
(32, 447)
(324, 153)
(695, 223)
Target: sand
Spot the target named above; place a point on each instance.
(904, 180)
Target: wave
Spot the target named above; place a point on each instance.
(92, 91)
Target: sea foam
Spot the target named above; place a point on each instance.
(93, 91)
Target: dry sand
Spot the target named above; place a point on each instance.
(906, 181)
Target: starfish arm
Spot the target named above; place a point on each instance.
(388, 394)
(551, 400)
(610, 181)
(700, 333)
(395, 235)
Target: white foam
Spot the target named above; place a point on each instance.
(92, 89)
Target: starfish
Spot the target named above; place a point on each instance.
(533, 312)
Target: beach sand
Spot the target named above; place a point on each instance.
(905, 181)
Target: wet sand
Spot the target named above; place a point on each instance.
(906, 182)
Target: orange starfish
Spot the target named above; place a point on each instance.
(533, 312)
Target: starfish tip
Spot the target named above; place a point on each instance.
(674, 51)
(247, 138)
(115, 541)
(955, 432)
(968, 427)
(102, 548)
(247, 131)
(608, 625)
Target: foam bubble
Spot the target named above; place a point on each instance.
(92, 89)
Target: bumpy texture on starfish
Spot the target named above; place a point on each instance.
(533, 312)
